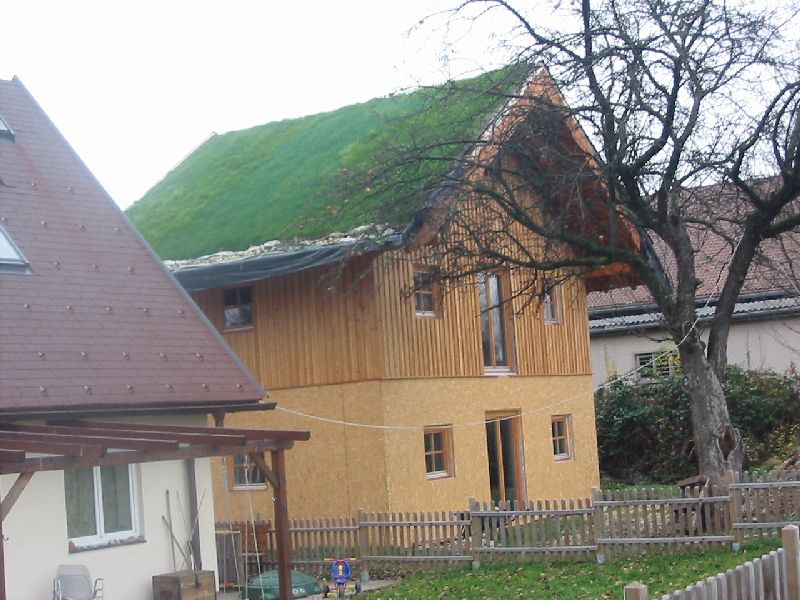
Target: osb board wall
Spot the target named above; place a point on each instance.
(311, 327)
(450, 345)
(341, 469)
(463, 403)
(335, 472)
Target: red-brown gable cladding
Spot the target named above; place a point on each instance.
(97, 322)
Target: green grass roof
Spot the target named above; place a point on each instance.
(311, 176)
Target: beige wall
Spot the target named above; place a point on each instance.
(769, 344)
(343, 468)
(37, 542)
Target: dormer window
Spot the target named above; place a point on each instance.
(5, 130)
(11, 259)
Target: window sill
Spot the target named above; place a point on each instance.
(84, 547)
(498, 372)
(239, 329)
(427, 314)
(249, 488)
(438, 475)
(563, 458)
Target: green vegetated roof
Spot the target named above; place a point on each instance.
(311, 176)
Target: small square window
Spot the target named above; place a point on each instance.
(562, 438)
(551, 305)
(238, 307)
(246, 473)
(426, 294)
(438, 452)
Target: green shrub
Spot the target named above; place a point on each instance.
(645, 433)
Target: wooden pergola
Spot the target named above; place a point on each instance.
(72, 444)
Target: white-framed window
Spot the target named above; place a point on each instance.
(662, 363)
(238, 307)
(561, 431)
(102, 504)
(551, 305)
(438, 451)
(247, 474)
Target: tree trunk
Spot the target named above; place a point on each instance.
(717, 444)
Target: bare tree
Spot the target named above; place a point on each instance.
(683, 117)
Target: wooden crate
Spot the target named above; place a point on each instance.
(184, 585)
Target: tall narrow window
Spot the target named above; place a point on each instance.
(238, 307)
(495, 328)
(426, 301)
(438, 452)
(101, 504)
(551, 305)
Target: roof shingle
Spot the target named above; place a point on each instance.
(98, 321)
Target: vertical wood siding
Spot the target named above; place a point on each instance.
(312, 327)
(316, 328)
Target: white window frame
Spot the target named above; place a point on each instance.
(641, 359)
(248, 465)
(101, 537)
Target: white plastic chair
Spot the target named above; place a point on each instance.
(73, 582)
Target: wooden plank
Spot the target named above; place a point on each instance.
(250, 434)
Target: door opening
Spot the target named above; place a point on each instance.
(504, 449)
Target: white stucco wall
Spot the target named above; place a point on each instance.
(768, 344)
(36, 534)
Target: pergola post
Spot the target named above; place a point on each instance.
(283, 537)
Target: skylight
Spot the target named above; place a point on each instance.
(11, 259)
(5, 130)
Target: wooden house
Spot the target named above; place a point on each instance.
(108, 373)
(418, 397)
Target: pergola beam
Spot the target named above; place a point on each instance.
(131, 433)
(58, 463)
(251, 434)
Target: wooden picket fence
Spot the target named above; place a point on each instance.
(609, 523)
(774, 576)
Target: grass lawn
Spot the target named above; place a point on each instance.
(662, 573)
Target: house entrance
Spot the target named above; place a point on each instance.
(504, 449)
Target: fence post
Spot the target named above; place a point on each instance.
(791, 552)
(363, 544)
(599, 523)
(635, 591)
(734, 509)
(475, 531)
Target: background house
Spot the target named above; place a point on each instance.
(95, 330)
(625, 324)
(417, 396)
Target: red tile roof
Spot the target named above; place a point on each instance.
(98, 322)
(714, 236)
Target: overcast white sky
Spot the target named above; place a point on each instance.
(136, 86)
